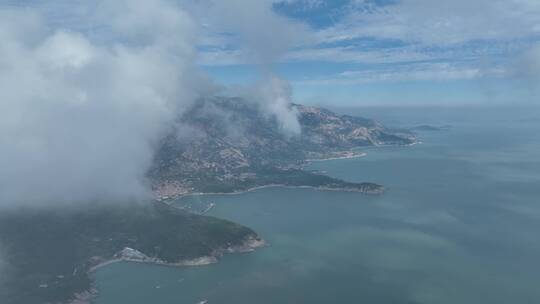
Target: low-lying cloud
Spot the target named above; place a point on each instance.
(266, 37)
(275, 97)
(81, 113)
(78, 118)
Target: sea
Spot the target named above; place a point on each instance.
(459, 223)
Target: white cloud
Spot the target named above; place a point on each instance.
(66, 50)
(264, 37)
(306, 5)
(265, 34)
(470, 34)
(408, 72)
(225, 57)
(78, 119)
(353, 55)
(84, 100)
(439, 22)
(275, 96)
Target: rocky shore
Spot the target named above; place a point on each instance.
(128, 254)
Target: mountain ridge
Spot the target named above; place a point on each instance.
(235, 146)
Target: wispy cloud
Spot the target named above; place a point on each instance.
(464, 33)
(407, 73)
(436, 22)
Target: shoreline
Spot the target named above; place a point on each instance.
(134, 256)
(358, 155)
(249, 245)
(173, 199)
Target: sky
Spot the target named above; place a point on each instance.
(362, 52)
(398, 51)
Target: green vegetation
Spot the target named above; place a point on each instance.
(49, 253)
(290, 177)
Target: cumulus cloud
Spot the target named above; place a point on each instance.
(274, 95)
(85, 100)
(266, 36)
(436, 22)
(79, 118)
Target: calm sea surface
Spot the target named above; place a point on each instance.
(459, 223)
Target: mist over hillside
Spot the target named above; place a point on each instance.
(83, 108)
(233, 145)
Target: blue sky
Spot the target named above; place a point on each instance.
(397, 51)
(356, 52)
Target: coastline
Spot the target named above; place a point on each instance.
(346, 156)
(171, 200)
(249, 245)
(349, 154)
(134, 256)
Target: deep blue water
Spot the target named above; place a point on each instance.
(459, 223)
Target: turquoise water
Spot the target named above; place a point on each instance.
(459, 223)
